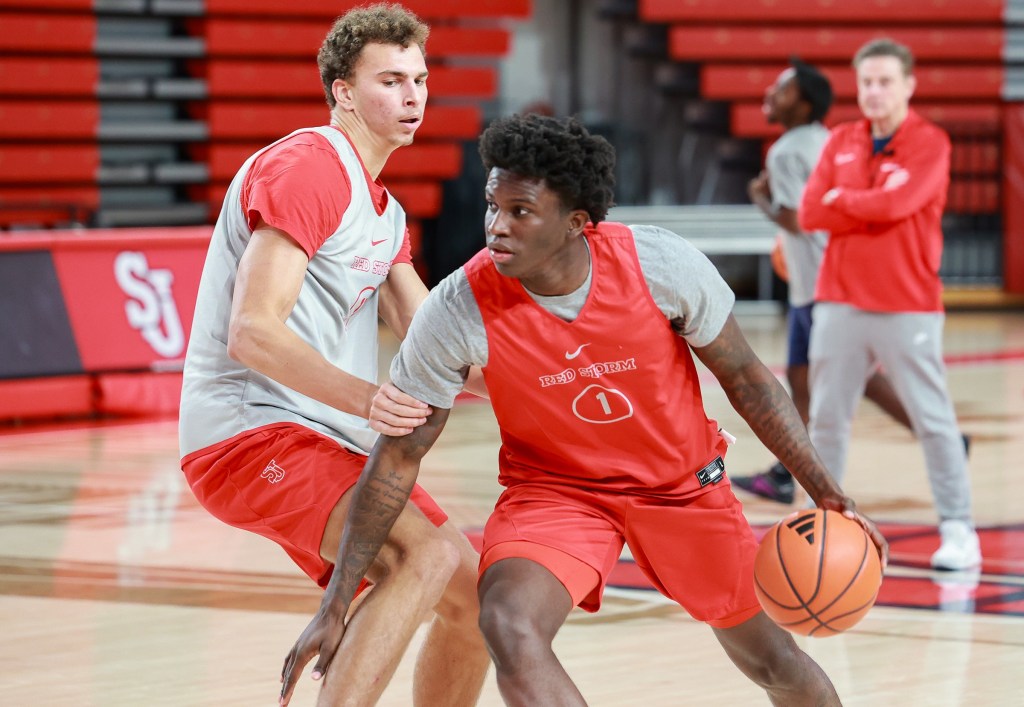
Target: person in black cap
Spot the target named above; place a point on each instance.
(798, 101)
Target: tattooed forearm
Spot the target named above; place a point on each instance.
(379, 497)
(764, 404)
(770, 412)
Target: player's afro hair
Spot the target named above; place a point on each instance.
(814, 88)
(576, 165)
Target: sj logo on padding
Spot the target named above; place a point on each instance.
(151, 309)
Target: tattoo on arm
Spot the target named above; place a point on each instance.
(762, 401)
(379, 498)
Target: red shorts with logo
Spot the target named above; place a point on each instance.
(282, 481)
(698, 551)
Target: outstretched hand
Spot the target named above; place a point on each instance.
(846, 506)
(395, 413)
(322, 637)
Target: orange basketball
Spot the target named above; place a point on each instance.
(778, 258)
(817, 573)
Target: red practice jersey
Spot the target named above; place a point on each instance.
(610, 400)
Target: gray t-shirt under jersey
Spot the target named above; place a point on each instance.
(789, 164)
(447, 335)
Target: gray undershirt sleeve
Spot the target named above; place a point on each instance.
(445, 338)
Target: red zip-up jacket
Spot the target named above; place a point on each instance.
(885, 228)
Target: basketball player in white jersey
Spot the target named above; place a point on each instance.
(281, 370)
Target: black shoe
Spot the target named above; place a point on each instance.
(967, 444)
(776, 484)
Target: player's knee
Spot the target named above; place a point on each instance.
(436, 562)
(430, 562)
(509, 633)
(773, 664)
(459, 603)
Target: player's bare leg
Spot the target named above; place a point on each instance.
(799, 390)
(453, 661)
(411, 573)
(880, 391)
(770, 657)
(522, 606)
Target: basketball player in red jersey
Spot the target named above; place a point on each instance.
(585, 330)
(280, 375)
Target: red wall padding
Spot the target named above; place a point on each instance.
(132, 394)
(46, 397)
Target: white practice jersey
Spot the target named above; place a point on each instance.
(336, 313)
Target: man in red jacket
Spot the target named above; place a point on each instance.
(879, 188)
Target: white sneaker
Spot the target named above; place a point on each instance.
(960, 548)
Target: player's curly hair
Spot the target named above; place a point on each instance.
(381, 23)
(576, 165)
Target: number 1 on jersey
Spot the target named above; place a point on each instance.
(600, 405)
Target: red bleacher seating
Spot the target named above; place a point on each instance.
(45, 205)
(959, 47)
(252, 49)
(730, 81)
(73, 5)
(975, 158)
(747, 119)
(959, 12)
(48, 34)
(21, 164)
(973, 195)
(427, 9)
(439, 160)
(29, 76)
(48, 120)
(419, 198)
(263, 121)
(266, 39)
(689, 42)
(292, 79)
(46, 196)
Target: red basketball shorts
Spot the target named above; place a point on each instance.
(282, 481)
(697, 551)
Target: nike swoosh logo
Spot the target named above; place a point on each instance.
(382, 240)
(574, 354)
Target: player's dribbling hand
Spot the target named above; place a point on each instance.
(395, 413)
(846, 506)
(321, 637)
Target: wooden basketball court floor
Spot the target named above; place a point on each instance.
(116, 588)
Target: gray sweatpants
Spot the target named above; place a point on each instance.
(846, 343)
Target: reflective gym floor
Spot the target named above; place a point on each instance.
(116, 588)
